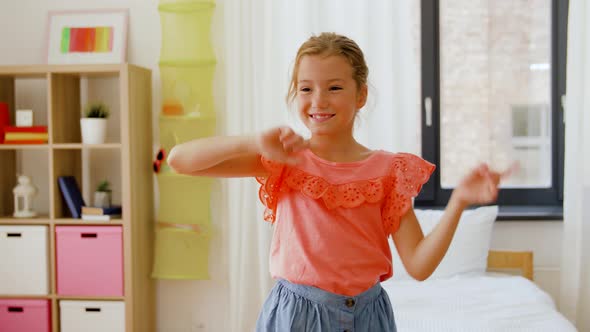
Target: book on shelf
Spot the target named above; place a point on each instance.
(32, 129)
(98, 211)
(96, 217)
(25, 135)
(8, 136)
(71, 194)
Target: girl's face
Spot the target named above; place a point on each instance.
(327, 95)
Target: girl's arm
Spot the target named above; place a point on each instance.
(421, 255)
(234, 156)
(231, 156)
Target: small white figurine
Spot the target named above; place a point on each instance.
(23, 196)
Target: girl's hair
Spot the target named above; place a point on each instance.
(327, 44)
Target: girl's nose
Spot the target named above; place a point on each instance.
(320, 100)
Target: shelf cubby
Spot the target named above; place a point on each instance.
(17, 161)
(71, 92)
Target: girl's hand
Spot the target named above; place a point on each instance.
(280, 144)
(480, 185)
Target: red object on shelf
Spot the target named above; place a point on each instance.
(33, 129)
(4, 119)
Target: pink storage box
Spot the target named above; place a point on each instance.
(89, 260)
(24, 315)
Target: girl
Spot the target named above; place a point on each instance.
(334, 202)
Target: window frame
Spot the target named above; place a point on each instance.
(533, 203)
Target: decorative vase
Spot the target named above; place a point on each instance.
(93, 130)
(102, 199)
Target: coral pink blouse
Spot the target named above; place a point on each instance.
(332, 219)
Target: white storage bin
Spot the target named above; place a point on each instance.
(23, 260)
(92, 316)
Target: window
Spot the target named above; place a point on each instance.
(493, 73)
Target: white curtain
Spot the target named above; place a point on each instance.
(261, 40)
(575, 269)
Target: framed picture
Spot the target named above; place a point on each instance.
(85, 37)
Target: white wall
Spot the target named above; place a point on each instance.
(185, 306)
(182, 306)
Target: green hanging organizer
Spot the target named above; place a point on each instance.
(187, 66)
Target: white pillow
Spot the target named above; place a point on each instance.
(469, 248)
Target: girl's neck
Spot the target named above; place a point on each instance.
(345, 149)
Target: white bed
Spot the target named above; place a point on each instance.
(463, 295)
(474, 302)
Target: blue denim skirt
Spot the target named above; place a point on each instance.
(293, 307)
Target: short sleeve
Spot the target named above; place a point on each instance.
(407, 175)
(270, 187)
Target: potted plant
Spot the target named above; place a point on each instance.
(102, 195)
(94, 123)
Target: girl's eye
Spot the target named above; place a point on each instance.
(305, 89)
(334, 88)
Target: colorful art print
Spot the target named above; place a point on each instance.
(87, 37)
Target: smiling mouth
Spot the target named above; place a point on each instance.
(321, 117)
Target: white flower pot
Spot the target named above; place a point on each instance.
(93, 130)
(102, 199)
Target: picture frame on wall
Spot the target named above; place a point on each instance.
(87, 37)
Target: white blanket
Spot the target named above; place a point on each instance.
(490, 302)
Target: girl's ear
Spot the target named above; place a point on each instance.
(362, 97)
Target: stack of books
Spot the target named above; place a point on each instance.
(101, 214)
(25, 135)
(77, 207)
